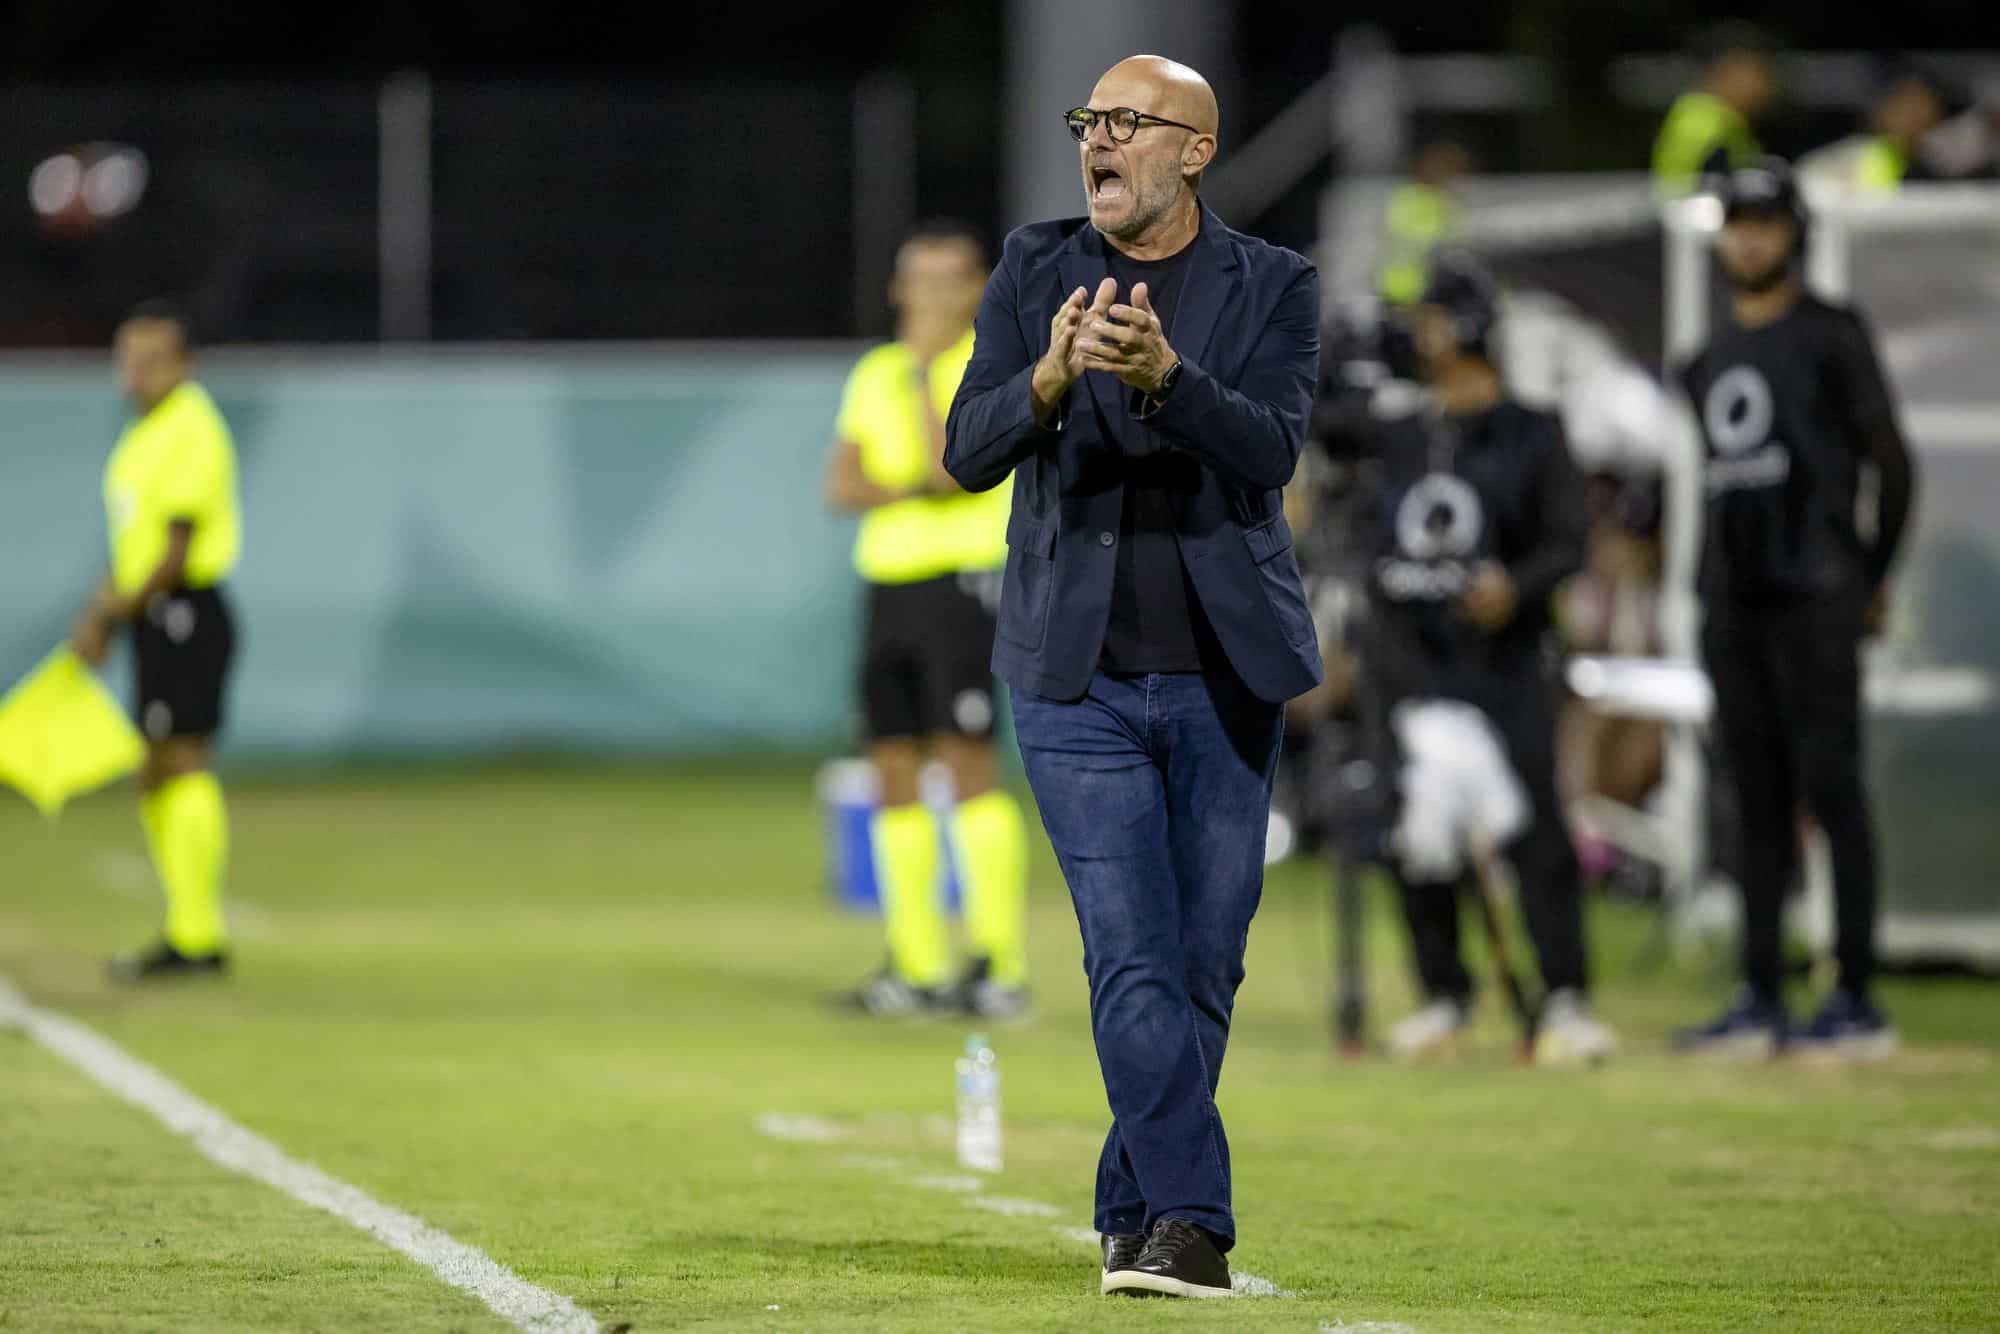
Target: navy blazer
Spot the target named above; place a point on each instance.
(1246, 327)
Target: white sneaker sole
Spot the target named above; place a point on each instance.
(1563, 1053)
(1867, 1047)
(1445, 1047)
(1139, 1284)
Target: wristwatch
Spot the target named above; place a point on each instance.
(1168, 381)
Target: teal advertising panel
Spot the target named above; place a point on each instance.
(459, 554)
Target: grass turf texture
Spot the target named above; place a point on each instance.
(542, 1010)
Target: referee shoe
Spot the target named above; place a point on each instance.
(887, 996)
(162, 961)
(995, 1002)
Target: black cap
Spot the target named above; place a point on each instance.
(1461, 285)
(1766, 189)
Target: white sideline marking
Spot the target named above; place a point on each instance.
(229, 1145)
(937, 1128)
(1013, 1208)
(129, 875)
(873, 1162)
(819, 1130)
(1250, 1285)
(1245, 1285)
(1366, 1327)
(800, 1129)
(1965, 1137)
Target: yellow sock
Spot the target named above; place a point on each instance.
(991, 844)
(187, 830)
(906, 868)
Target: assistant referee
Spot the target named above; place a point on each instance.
(931, 555)
(175, 530)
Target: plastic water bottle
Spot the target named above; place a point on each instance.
(979, 1106)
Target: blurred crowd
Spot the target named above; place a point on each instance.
(1918, 126)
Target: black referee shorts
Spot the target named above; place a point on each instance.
(926, 667)
(183, 642)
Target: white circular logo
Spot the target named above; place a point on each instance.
(973, 711)
(178, 620)
(1737, 411)
(1440, 517)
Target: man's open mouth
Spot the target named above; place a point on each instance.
(1106, 184)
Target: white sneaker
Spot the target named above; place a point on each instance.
(1569, 1036)
(1430, 1031)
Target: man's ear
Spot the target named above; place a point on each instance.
(1199, 153)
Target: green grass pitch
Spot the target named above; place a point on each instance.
(543, 1010)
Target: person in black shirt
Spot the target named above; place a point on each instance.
(1793, 410)
(1156, 622)
(1482, 517)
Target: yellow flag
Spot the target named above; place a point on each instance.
(62, 734)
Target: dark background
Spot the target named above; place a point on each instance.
(673, 171)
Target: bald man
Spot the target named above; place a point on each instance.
(1144, 374)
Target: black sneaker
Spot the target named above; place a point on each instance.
(1847, 1027)
(164, 961)
(1179, 1261)
(887, 996)
(998, 1004)
(1751, 1029)
(994, 1002)
(1121, 1251)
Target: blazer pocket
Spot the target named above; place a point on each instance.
(1025, 589)
(1268, 539)
(1270, 544)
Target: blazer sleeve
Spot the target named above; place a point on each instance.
(1252, 434)
(991, 427)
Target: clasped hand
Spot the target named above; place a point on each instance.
(1125, 340)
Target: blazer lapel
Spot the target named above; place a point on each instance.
(1208, 284)
(1082, 265)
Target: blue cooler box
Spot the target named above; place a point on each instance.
(848, 796)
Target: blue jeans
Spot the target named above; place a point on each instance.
(1156, 791)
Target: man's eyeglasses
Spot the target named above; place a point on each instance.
(1122, 122)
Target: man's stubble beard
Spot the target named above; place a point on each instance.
(1156, 198)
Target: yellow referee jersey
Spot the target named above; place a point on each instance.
(927, 536)
(1697, 124)
(174, 463)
